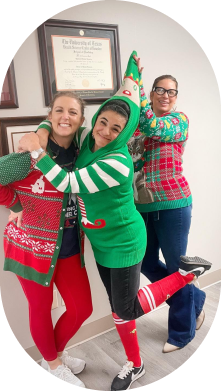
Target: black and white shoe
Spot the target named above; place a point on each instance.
(195, 265)
(127, 376)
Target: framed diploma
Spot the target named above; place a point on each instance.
(12, 129)
(8, 98)
(81, 57)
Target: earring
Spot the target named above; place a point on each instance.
(92, 135)
(174, 108)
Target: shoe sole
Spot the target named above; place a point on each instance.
(201, 269)
(136, 378)
(198, 264)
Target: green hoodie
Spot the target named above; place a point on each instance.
(103, 181)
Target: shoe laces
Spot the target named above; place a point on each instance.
(124, 372)
(66, 374)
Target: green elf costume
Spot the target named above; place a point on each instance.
(108, 177)
(108, 216)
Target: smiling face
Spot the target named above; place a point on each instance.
(66, 117)
(163, 103)
(107, 128)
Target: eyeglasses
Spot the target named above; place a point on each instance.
(161, 91)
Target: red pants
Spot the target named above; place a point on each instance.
(72, 282)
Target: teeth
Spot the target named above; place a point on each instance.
(64, 125)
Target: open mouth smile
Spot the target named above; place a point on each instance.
(64, 125)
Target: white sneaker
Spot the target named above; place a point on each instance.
(64, 373)
(76, 365)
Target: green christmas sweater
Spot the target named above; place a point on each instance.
(103, 182)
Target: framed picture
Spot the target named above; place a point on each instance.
(9, 97)
(79, 56)
(12, 129)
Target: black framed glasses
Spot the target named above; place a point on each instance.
(161, 91)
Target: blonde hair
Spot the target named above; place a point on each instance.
(70, 94)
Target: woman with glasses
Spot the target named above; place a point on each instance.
(163, 197)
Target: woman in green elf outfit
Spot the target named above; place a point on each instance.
(103, 180)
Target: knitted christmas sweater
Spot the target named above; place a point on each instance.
(9, 199)
(32, 250)
(157, 148)
(103, 181)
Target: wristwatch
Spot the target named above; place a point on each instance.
(36, 153)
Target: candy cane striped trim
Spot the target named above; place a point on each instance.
(82, 207)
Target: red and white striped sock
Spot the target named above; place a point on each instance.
(128, 335)
(152, 295)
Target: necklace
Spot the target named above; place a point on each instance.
(54, 139)
(55, 153)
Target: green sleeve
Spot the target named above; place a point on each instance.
(14, 167)
(172, 127)
(106, 173)
(77, 137)
(46, 124)
(80, 136)
(16, 207)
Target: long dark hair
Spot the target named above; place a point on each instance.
(118, 106)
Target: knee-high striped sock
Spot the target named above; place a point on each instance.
(128, 335)
(152, 295)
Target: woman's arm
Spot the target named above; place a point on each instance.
(106, 173)
(111, 171)
(172, 127)
(44, 130)
(9, 199)
(14, 167)
(43, 133)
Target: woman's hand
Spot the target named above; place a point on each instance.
(29, 142)
(43, 135)
(140, 69)
(14, 216)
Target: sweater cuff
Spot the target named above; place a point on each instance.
(17, 207)
(45, 164)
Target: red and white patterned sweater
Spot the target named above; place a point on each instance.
(32, 250)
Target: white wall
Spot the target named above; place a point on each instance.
(164, 47)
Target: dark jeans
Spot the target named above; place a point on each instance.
(122, 286)
(168, 230)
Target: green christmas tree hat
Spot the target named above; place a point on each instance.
(129, 92)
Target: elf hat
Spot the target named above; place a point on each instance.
(129, 92)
